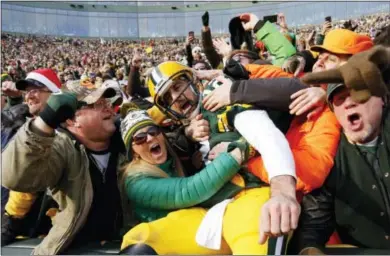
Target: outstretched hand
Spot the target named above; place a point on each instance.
(280, 214)
(310, 100)
(8, 88)
(198, 129)
(207, 74)
(222, 47)
(219, 97)
(294, 65)
(217, 150)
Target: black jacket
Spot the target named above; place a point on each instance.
(11, 120)
(271, 94)
(354, 200)
(211, 54)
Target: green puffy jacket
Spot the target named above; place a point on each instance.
(276, 43)
(154, 197)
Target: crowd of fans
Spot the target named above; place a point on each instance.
(269, 140)
(24, 53)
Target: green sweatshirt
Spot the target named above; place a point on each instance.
(155, 197)
(276, 43)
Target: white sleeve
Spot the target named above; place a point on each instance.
(260, 132)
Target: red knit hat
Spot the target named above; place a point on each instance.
(46, 77)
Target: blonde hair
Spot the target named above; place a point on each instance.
(138, 166)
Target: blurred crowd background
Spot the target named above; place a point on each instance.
(72, 57)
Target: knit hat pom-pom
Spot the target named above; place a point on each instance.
(127, 107)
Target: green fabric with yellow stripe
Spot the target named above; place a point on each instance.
(221, 122)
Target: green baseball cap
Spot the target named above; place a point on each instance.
(331, 89)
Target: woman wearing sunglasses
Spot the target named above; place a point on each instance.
(162, 196)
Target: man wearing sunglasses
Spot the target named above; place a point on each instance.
(74, 148)
(36, 88)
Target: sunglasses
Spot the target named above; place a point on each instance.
(200, 67)
(141, 138)
(239, 57)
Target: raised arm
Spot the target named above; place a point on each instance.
(134, 86)
(36, 158)
(210, 52)
(177, 193)
(272, 93)
(32, 162)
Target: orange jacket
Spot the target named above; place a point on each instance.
(266, 71)
(313, 144)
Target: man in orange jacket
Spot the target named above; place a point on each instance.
(313, 141)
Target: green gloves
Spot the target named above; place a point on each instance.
(366, 74)
(59, 108)
(205, 19)
(246, 150)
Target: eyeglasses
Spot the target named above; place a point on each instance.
(35, 90)
(239, 57)
(141, 137)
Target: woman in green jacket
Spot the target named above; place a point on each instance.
(173, 207)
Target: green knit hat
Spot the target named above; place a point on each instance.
(134, 120)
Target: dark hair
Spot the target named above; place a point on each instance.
(202, 62)
(383, 38)
(106, 76)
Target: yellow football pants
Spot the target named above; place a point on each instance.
(19, 204)
(175, 233)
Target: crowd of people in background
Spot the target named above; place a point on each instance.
(269, 140)
(73, 57)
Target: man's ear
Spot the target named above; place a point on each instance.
(72, 122)
(69, 123)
